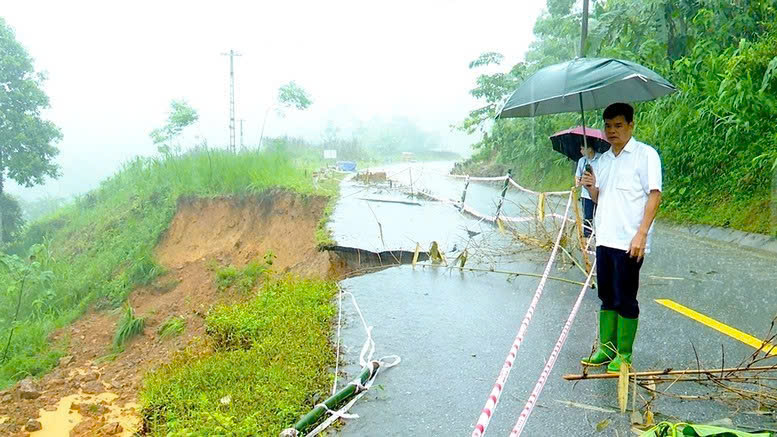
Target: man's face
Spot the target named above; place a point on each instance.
(618, 132)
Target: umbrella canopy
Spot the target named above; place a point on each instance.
(584, 84)
(568, 142)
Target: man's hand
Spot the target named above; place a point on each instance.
(637, 246)
(588, 179)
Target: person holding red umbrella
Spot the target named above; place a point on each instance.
(589, 160)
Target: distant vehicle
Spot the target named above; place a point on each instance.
(346, 165)
(408, 157)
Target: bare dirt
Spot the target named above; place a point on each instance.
(89, 395)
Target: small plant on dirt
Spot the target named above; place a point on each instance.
(245, 279)
(226, 277)
(111, 356)
(172, 327)
(128, 327)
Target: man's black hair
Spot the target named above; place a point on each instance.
(616, 109)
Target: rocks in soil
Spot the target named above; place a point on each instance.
(28, 389)
(65, 361)
(9, 428)
(86, 427)
(90, 376)
(112, 428)
(7, 398)
(93, 387)
(33, 425)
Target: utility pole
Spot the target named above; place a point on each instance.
(584, 30)
(231, 55)
(241, 133)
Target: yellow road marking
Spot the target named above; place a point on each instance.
(718, 326)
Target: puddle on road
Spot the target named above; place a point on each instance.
(60, 422)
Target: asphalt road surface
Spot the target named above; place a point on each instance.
(453, 330)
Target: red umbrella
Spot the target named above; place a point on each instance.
(568, 142)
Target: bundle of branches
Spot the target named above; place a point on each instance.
(751, 385)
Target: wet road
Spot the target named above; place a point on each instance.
(453, 330)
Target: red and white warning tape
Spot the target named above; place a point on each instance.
(529, 407)
(496, 391)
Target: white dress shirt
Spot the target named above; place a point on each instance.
(581, 169)
(624, 182)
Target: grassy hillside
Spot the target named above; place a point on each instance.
(96, 250)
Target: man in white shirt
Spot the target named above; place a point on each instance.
(590, 157)
(627, 191)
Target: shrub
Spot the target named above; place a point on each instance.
(128, 327)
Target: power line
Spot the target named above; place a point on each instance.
(231, 55)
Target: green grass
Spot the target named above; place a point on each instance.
(323, 234)
(243, 280)
(172, 327)
(100, 247)
(331, 186)
(749, 215)
(272, 357)
(127, 327)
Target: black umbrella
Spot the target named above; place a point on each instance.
(584, 83)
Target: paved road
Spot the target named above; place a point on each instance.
(453, 330)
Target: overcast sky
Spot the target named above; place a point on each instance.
(114, 67)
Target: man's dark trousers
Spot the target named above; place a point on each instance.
(617, 276)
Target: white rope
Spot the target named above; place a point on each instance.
(365, 360)
(526, 190)
(337, 344)
(341, 412)
(480, 178)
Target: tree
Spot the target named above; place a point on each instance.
(27, 148)
(181, 116)
(290, 95)
(11, 218)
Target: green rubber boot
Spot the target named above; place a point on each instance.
(608, 328)
(627, 330)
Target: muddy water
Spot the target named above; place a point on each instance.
(60, 422)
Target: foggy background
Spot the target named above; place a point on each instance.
(114, 68)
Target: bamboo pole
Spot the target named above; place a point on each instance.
(580, 236)
(504, 193)
(576, 263)
(333, 401)
(464, 194)
(573, 377)
(505, 272)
